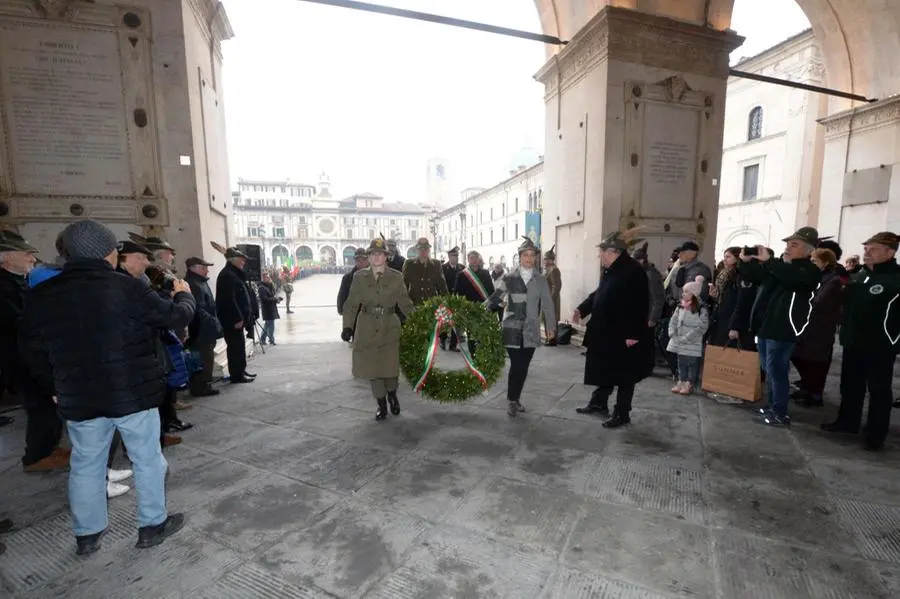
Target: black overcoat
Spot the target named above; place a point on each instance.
(618, 309)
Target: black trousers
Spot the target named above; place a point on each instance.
(167, 412)
(519, 360)
(861, 369)
(813, 374)
(624, 395)
(200, 381)
(43, 429)
(237, 353)
(454, 340)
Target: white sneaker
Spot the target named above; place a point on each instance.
(115, 489)
(117, 476)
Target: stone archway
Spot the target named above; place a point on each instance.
(327, 255)
(280, 255)
(304, 254)
(859, 38)
(349, 255)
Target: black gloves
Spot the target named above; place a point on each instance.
(346, 334)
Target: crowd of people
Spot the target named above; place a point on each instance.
(789, 308)
(111, 374)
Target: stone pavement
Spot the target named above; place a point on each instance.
(291, 489)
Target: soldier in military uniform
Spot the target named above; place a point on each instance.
(370, 318)
(423, 276)
(870, 334)
(451, 269)
(394, 260)
(554, 278)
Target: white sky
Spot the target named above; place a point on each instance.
(369, 98)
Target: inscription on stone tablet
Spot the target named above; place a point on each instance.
(670, 140)
(64, 110)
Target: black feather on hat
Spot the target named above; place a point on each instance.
(528, 246)
(620, 240)
(550, 254)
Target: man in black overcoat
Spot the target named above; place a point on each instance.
(235, 311)
(205, 329)
(618, 309)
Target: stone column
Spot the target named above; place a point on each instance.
(113, 111)
(635, 111)
(860, 195)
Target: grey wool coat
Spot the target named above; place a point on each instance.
(521, 326)
(370, 312)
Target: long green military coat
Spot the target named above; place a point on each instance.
(370, 312)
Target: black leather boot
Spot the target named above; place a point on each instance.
(381, 412)
(395, 405)
(617, 421)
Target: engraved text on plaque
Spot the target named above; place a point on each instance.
(670, 140)
(64, 110)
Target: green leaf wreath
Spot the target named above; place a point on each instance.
(419, 346)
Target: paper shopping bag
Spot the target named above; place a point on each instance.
(733, 372)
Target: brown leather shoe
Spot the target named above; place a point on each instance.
(170, 440)
(51, 462)
(63, 452)
(181, 406)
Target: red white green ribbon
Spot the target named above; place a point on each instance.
(476, 282)
(464, 350)
(443, 319)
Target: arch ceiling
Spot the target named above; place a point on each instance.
(860, 39)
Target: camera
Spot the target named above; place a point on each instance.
(751, 251)
(167, 283)
(161, 279)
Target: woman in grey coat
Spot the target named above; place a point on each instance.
(526, 294)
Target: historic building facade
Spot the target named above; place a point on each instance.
(493, 221)
(773, 146)
(297, 222)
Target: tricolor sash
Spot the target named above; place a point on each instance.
(476, 283)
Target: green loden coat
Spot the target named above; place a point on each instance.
(370, 312)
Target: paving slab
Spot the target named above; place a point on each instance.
(292, 490)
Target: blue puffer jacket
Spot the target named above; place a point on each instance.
(41, 273)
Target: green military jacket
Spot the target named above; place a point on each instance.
(424, 280)
(787, 293)
(872, 309)
(370, 312)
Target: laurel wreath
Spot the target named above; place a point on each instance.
(419, 341)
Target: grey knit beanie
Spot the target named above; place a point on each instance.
(88, 239)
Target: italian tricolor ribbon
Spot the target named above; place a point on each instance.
(443, 319)
(476, 282)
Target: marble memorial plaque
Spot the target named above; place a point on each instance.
(64, 109)
(668, 177)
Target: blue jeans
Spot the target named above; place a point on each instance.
(87, 477)
(775, 360)
(268, 330)
(689, 369)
